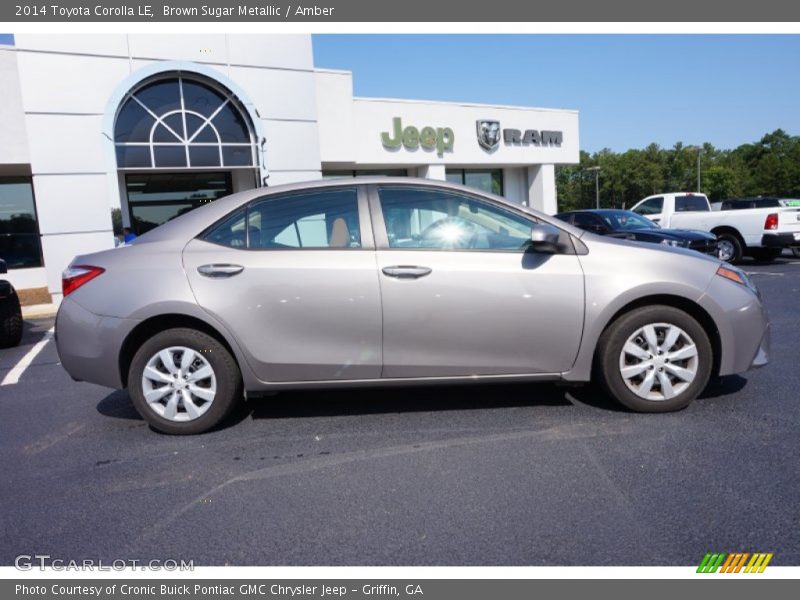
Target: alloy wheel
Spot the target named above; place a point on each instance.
(658, 361)
(179, 384)
(725, 250)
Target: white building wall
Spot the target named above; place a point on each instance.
(334, 96)
(14, 146)
(350, 138)
(65, 82)
(542, 188)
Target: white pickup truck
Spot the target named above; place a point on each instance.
(762, 233)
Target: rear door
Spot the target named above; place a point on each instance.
(293, 277)
(462, 296)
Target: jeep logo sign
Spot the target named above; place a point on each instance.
(440, 138)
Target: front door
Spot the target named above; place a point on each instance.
(293, 277)
(462, 296)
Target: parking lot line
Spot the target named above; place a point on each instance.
(17, 370)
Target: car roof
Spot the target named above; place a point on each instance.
(596, 210)
(194, 222)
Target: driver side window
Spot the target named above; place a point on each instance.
(442, 220)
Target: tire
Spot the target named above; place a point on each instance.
(611, 359)
(10, 322)
(796, 251)
(178, 403)
(729, 248)
(766, 255)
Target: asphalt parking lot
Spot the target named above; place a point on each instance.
(485, 475)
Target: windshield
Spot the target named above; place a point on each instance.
(625, 219)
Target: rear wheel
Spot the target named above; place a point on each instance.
(183, 381)
(655, 359)
(766, 254)
(10, 322)
(729, 247)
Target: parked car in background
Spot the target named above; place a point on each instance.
(386, 282)
(10, 312)
(762, 233)
(757, 202)
(762, 202)
(625, 224)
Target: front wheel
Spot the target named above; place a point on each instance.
(729, 248)
(655, 359)
(183, 381)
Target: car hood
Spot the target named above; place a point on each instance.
(671, 234)
(592, 238)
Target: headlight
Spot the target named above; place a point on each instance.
(673, 243)
(738, 276)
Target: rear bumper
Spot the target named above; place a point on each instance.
(779, 240)
(89, 345)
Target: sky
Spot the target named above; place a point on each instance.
(631, 90)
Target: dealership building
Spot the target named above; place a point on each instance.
(156, 125)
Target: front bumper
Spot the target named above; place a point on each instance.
(742, 326)
(780, 240)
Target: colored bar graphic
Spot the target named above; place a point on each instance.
(711, 563)
(733, 563)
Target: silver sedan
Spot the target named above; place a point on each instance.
(376, 282)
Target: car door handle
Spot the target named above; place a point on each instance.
(220, 270)
(406, 271)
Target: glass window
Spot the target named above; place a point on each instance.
(155, 198)
(20, 244)
(690, 203)
(439, 219)
(653, 206)
(313, 219)
(159, 121)
(588, 221)
(338, 174)
(486, 180)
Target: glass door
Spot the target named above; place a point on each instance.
(155, 198)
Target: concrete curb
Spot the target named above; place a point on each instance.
(39, 311)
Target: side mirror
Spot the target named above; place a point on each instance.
(3, 267)
(544, 238)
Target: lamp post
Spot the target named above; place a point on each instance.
(596, 184)
(699, 152)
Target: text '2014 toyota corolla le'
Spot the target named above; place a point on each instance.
(395, 281)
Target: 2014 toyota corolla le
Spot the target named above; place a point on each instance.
(377, 282)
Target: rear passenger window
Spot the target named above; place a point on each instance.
(313, 219)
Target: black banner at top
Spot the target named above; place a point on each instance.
(397, 11)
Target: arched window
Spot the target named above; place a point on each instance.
(183, 123)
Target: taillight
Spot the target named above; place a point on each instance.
(772, 221)
(75, 276)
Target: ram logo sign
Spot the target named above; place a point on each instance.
(489, 134)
